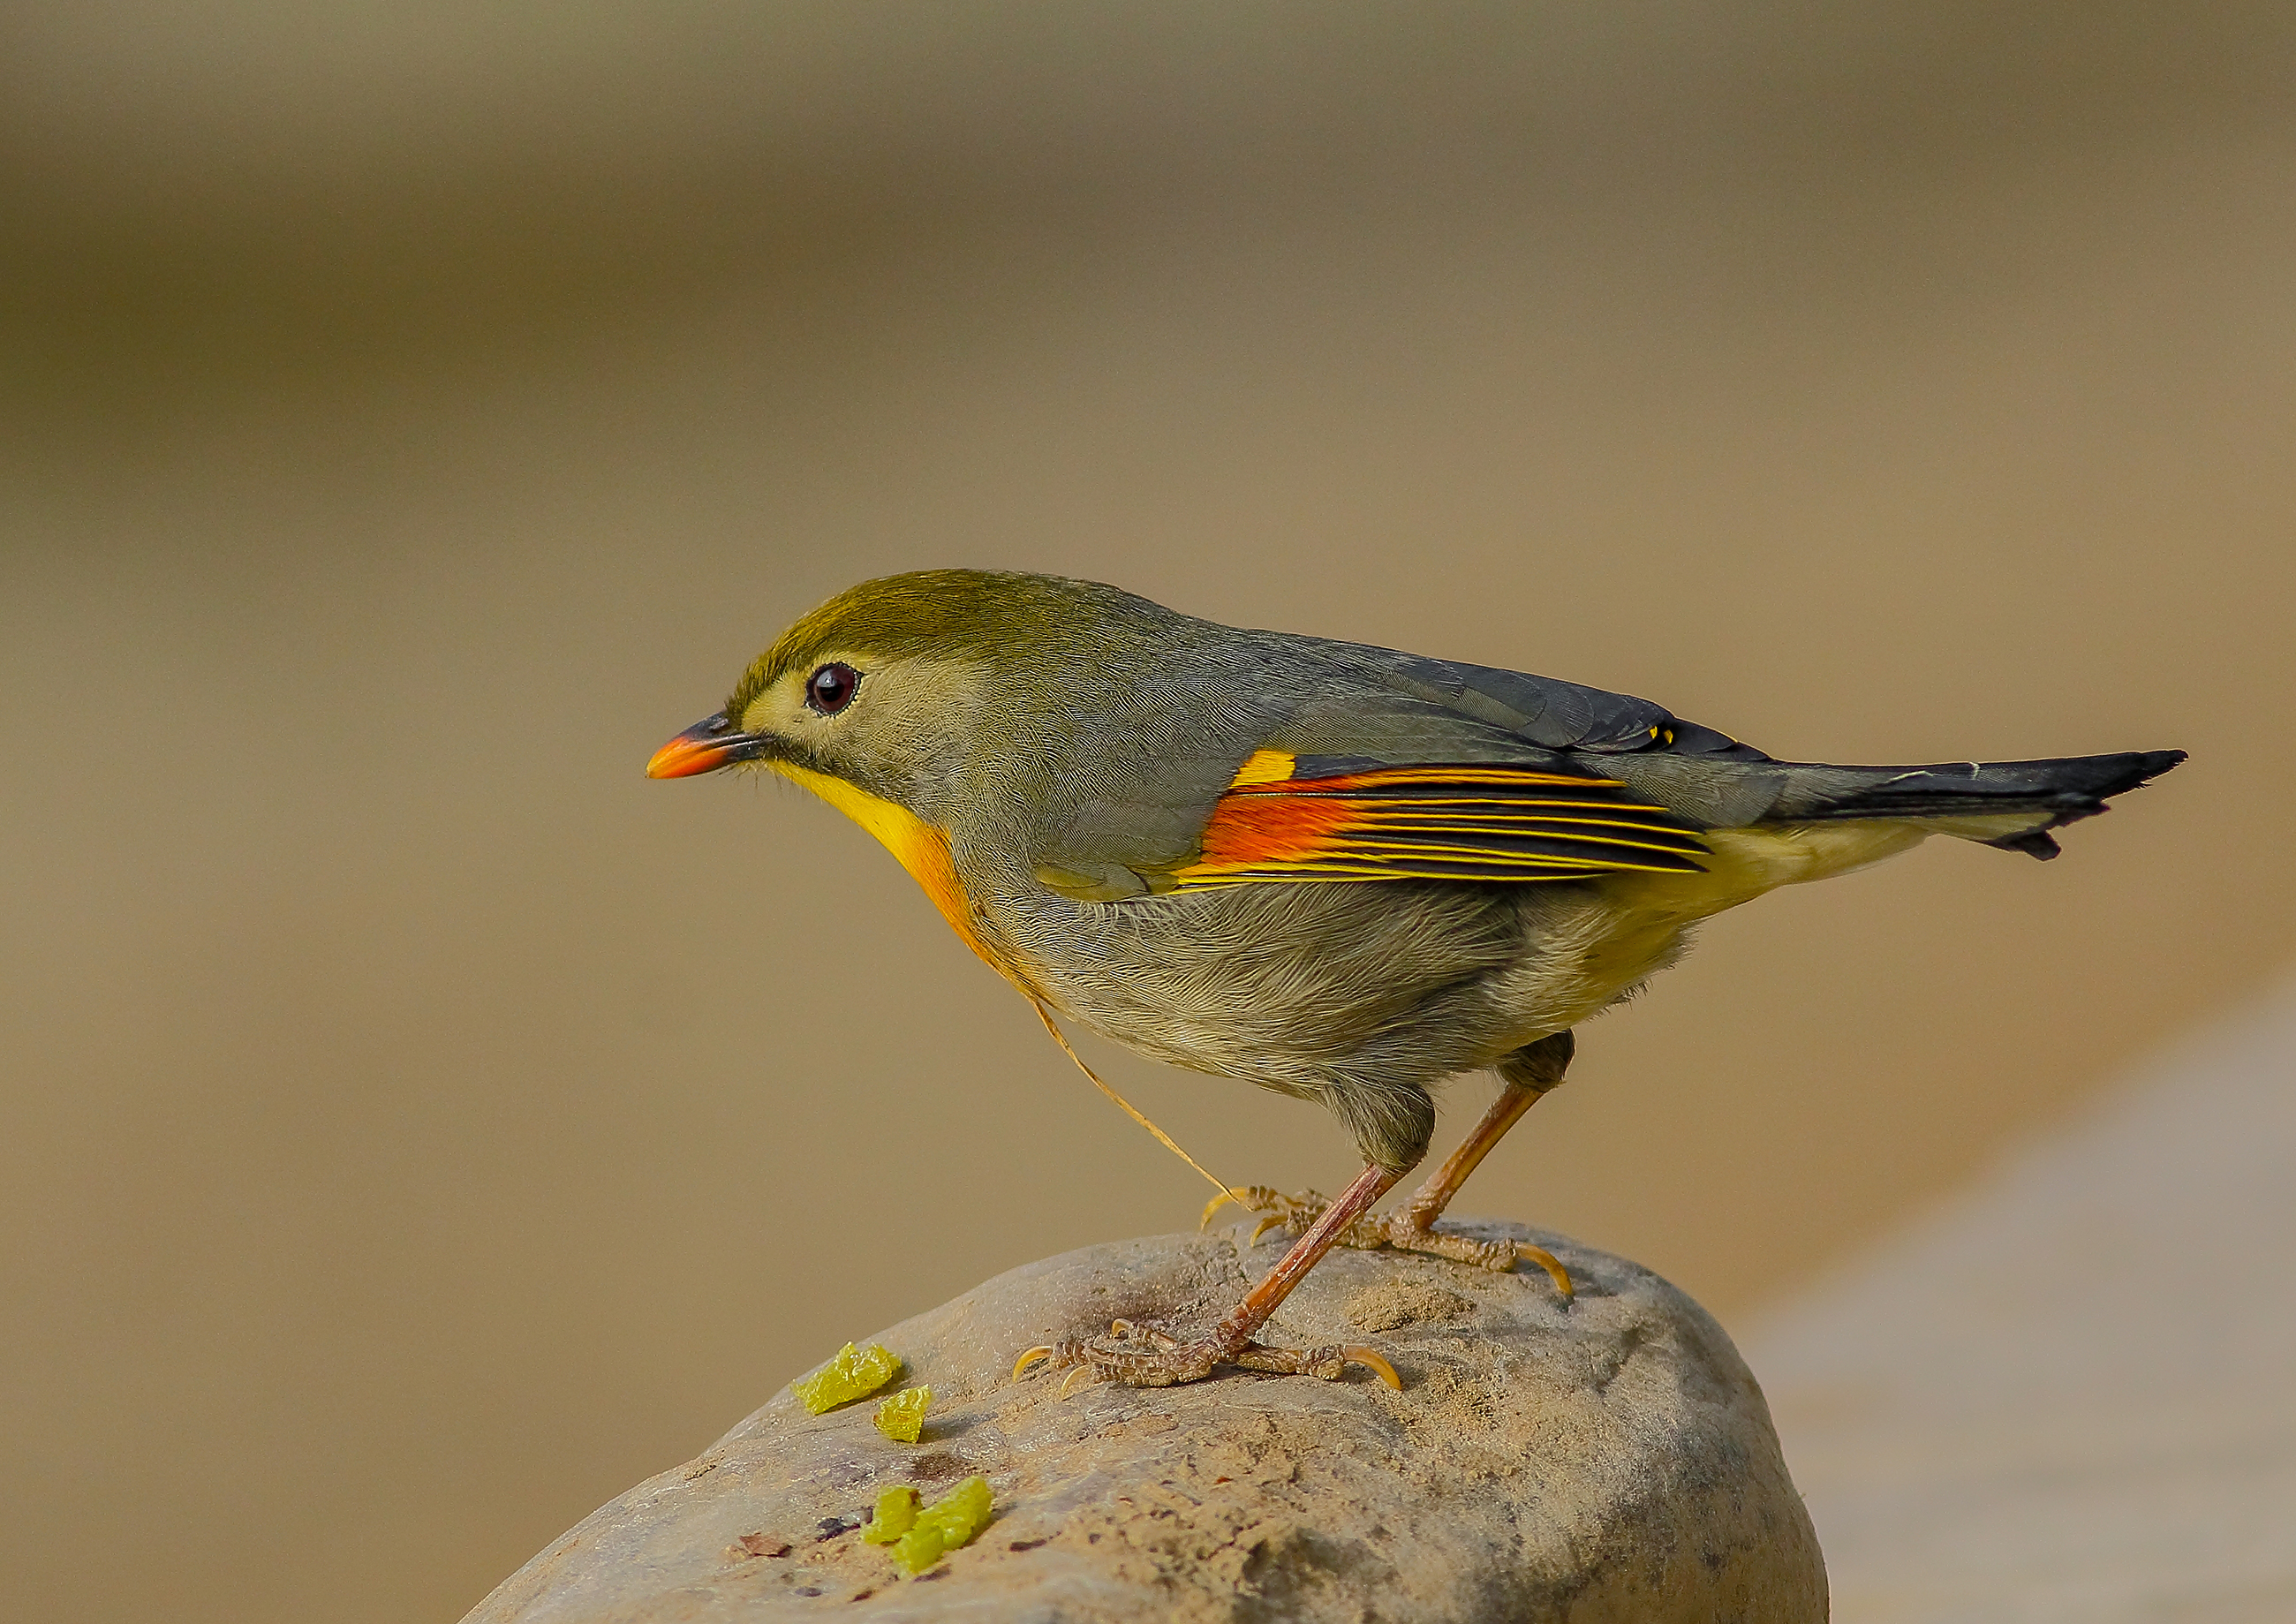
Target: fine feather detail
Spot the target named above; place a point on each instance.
(1433, 821)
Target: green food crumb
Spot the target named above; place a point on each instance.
(854, 1373)
(920, 1547)
(897, 1515)
(902, 1416)
(948, 1522)
(964, 1510)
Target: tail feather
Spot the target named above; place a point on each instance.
(2010, 804)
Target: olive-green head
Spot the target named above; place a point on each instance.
(893, 683)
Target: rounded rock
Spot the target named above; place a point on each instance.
(1612, 1459)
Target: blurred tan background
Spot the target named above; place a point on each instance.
(420, 1126)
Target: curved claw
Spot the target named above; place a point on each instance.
(1272, 1221)
(1552, 1266)
(1217, 1202)
(1373, 1362)
(1069, 1384)
(1042, 1350)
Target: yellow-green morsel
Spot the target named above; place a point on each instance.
(897, 1515)
(948, 1522)
(902, 1416)
(921, 1546)
(854, 1373)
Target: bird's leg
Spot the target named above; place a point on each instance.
(1232, 1342)
(1525, 1075)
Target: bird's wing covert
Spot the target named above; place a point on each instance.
(1288, 818)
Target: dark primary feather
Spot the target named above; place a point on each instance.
(1544, 711)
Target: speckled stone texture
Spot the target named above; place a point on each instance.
(1609, 1461)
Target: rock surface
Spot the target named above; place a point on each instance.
(1612, 1460)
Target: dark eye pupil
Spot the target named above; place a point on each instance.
(831, 688)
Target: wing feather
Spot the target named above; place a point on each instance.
(1295, 818)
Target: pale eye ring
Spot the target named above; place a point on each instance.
(831, 689)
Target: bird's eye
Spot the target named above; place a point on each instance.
(831, 689)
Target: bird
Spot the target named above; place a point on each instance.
(1344, 873)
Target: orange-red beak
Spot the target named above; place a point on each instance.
(709, 745)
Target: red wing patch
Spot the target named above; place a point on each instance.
(1477, 821)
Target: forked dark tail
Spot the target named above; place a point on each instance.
(2049, 794)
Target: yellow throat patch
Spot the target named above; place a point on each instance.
(919, 847)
